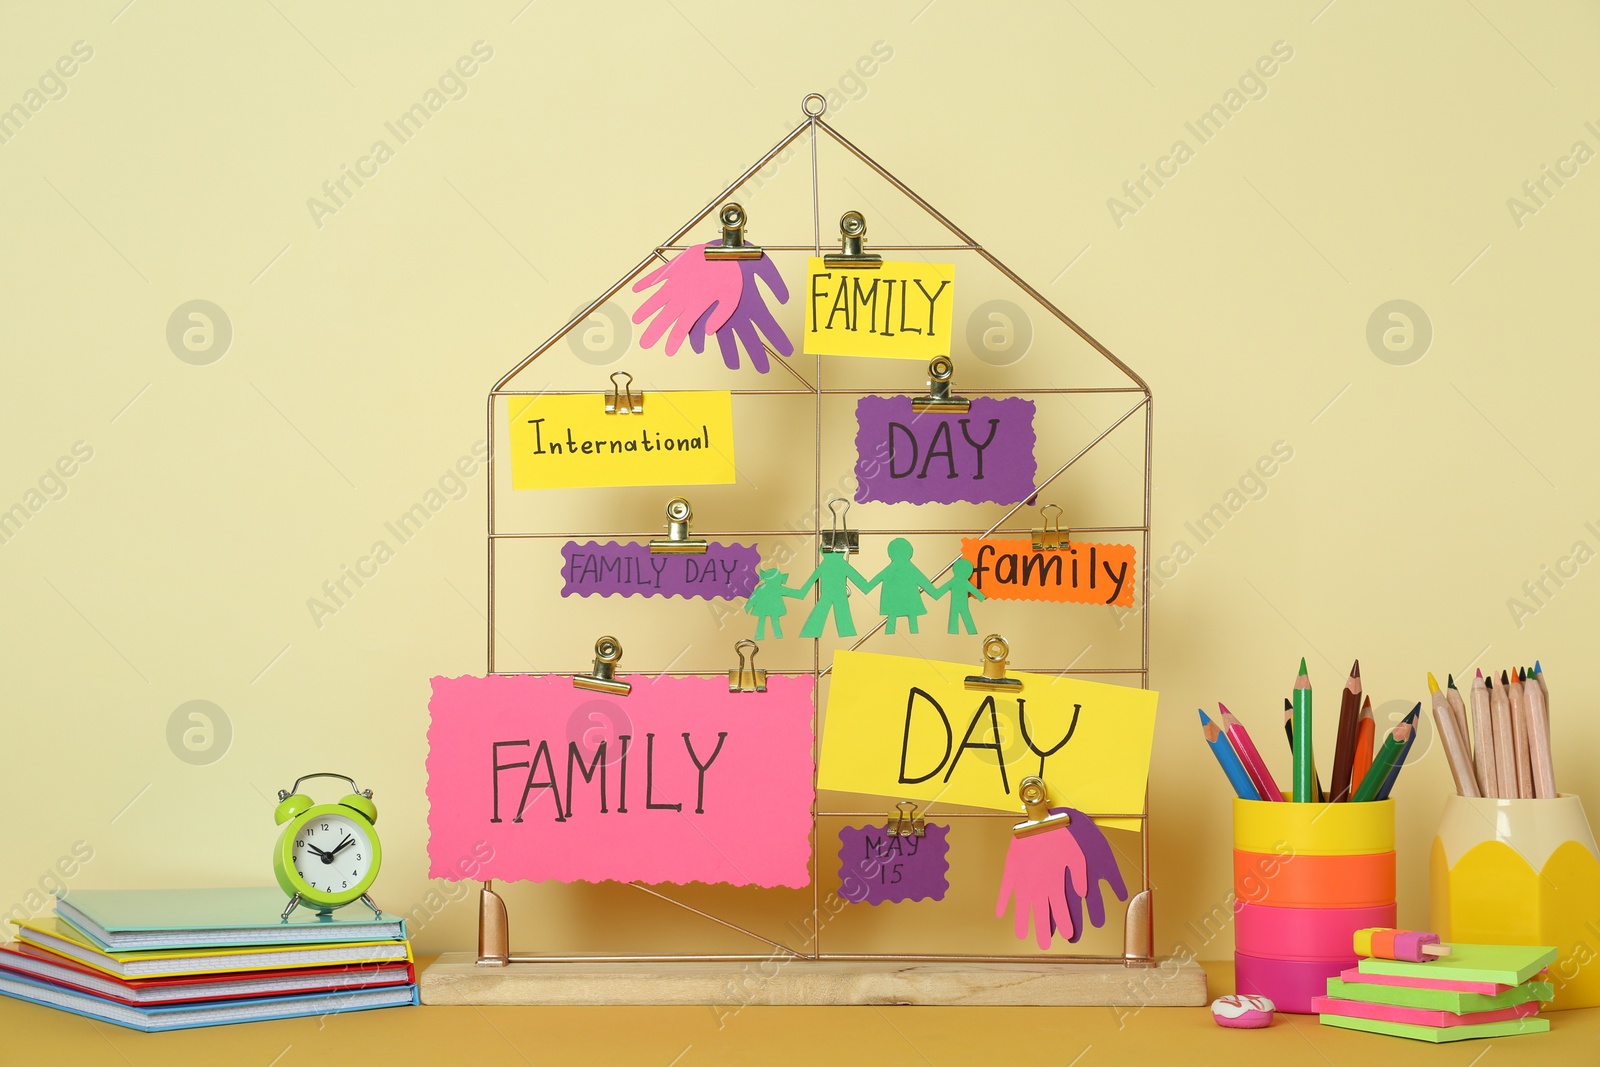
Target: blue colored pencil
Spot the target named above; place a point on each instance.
(1394, 772)
(1238, 777)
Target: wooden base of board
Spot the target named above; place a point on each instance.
(456, 978)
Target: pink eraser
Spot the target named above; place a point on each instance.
(1242, 1011)
(1408, 945)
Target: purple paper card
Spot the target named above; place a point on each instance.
(878, 868)
(725, 572)
(984, 456)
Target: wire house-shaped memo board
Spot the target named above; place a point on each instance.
(494, 938)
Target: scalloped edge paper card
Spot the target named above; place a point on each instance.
(726, 572)
(878, 868)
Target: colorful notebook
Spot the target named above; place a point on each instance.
(1362, 1009)
(187, 1016)
(29, 962)
(1440, 1034)
(1440, 999)
(138, 919)
(59, 937)
(1505, 964)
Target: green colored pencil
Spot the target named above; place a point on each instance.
(1386, 757)
(1305, 775)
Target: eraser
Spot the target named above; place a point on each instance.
(1242, 1011)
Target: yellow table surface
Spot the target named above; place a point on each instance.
(683, 1037)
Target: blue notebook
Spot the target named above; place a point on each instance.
(214, 1013)
(136, 920)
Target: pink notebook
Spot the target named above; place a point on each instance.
(1390, 1013)
(1449, 984)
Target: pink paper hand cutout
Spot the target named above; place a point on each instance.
(750, 320)
(693, 289)
(1038, 869)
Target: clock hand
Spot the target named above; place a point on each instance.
(346, 843)
(315, 849)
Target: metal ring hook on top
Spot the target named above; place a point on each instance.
(821, 105)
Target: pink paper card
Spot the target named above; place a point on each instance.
(680, 781)
(876, 867)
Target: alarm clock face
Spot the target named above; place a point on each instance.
(333, 853)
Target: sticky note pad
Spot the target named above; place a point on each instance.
(1505, 964)
(1440, 999)
(896, 311)
(907, 727)
(1439, 1034)
(569, 442)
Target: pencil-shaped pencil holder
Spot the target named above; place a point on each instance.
(1522, 872)
(1306, 877)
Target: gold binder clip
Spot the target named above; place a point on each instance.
(733, 246)
(841, 539)
(623, 400)
(745, 678)
(996, 653)
(1036, 799)
(678, 542)
(905, 822)
(607, 653)
(941, 369)
(852, 228)
(1049, 535)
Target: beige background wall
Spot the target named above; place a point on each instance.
(211, 497)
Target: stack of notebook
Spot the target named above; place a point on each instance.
(1476, 991)
(171, 960)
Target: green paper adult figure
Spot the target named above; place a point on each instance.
(902, 587)
(834, 575)
(961, 592)
(766, 601)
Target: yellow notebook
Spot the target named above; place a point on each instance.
(56, 936)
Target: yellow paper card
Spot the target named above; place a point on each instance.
(569, 442)
(898, 311)
(902, 727)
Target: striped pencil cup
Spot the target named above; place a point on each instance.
(1306, 877)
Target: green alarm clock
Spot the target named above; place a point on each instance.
(328, 854)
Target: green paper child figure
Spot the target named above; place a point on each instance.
(961, 591)
(835, 575)
(903, 585)
(766, 601)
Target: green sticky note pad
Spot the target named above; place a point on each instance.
(1503, 964)
(1439, 999)
(1440, 1034)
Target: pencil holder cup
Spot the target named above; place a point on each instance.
(1522, 872)
(1306, 877)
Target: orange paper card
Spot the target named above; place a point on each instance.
(1081, 573)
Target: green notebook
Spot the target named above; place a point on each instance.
(1504, 964)
(139, 919)
(1439, 999)
(1440, 1034)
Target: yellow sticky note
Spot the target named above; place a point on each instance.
(907, 728)
(569, 442)
(898, 311)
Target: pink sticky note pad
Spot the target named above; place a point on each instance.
(531, 779)
(876, 867)
(1394, 1013)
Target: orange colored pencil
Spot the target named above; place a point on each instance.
(1366, 730)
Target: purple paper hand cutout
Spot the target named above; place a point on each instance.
(1101, 864)
(750, 320)
(693, 289)
(1039, 868)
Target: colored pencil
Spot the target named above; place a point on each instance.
(1400, 760)
(1366, 730)
(1456, 753)
(1483, 739)
(1538, 674)
(1385, 759)
(1519, 735)
(1459, 708)
(1505, 756)
(1544, 778)
(1254, 765)
(1288, 731)
(1238, 777)
(1304, 775)
(1344, 751)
